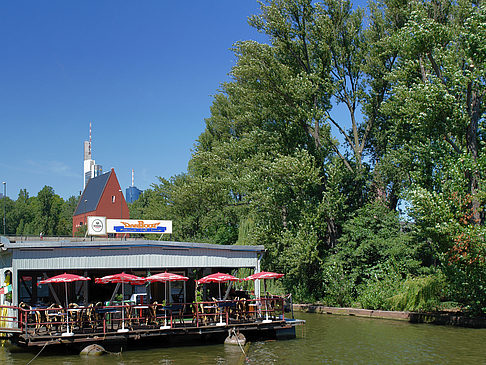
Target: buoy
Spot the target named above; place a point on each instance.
(235, 338)
(93, 350)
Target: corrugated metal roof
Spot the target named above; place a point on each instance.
(111, 244)
(130, 258)
(121, 254)
(92, 194)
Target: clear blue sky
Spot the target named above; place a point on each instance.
(143, 72)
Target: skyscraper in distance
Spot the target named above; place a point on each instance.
(132, 192)
(91, 169)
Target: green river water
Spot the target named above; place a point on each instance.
(324, 339)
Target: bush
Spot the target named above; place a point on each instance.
(338, 286)
(375, 294)
(418, 294)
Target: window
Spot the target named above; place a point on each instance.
(112, 198)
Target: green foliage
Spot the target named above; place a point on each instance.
(267, 169)
(375, 293)
(277, 165)
(374, 240)
(418, 294)
(338, 286)
(300, 257)
(47, 213)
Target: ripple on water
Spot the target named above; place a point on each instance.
(325, 339)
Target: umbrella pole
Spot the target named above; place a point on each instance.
(165, 310)
(221, 323)
(67, 333)
(165, 306)
(266, 299)
(123, 309)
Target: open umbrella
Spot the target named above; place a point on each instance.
(165, 277)
(64, 278)
(217, 278)
(121, 278)
(264, 275)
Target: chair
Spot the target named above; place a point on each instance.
(54, 317)
(129, 318)
(233, 309)
(97, 316)
(152, 313)
(199, 314)
(241, 314)
(178, 312)
(27, 315)
(89, 317)
(75, 314)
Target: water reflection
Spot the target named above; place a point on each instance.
(324, 339)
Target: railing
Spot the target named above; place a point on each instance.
(98, 318)
(9, 318)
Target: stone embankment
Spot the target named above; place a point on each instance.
(442, 318)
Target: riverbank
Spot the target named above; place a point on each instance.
(441, 318)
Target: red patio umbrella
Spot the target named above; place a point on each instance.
(264, 275)
(121, 278)
(64, 278)
(217, 278)
(165, 277)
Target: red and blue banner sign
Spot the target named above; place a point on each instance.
(102, 226)
(138, 226)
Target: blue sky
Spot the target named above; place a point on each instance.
(143, 72)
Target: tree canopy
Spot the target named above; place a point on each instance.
(351, 145)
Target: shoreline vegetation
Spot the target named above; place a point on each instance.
(349, 143)
(451, 318)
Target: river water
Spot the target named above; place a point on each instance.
(325, 339)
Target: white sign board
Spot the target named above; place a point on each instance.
(96, 226)
(138, 226)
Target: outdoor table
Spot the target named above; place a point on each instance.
(55, 316)
(252, 310)
(76, 312)
(107, 312)
(210, 312)
(140, 309)
(226, 304)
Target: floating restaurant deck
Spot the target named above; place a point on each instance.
(35, 315)
(80, 326)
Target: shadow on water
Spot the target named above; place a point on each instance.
(324, 339)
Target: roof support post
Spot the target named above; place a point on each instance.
(51, 289)
(257, 282)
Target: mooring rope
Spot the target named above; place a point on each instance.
(239, 344)
(114, 353)
(35, 357)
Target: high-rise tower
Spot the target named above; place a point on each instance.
(132, 193)
(91, 169)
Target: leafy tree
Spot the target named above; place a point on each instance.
(437, 109)
(9, 215)
(373, 241)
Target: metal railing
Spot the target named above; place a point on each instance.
(99, 318)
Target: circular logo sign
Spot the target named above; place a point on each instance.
(97, 225)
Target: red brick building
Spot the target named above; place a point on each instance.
(102, 197)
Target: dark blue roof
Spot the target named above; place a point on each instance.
(92, 194)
